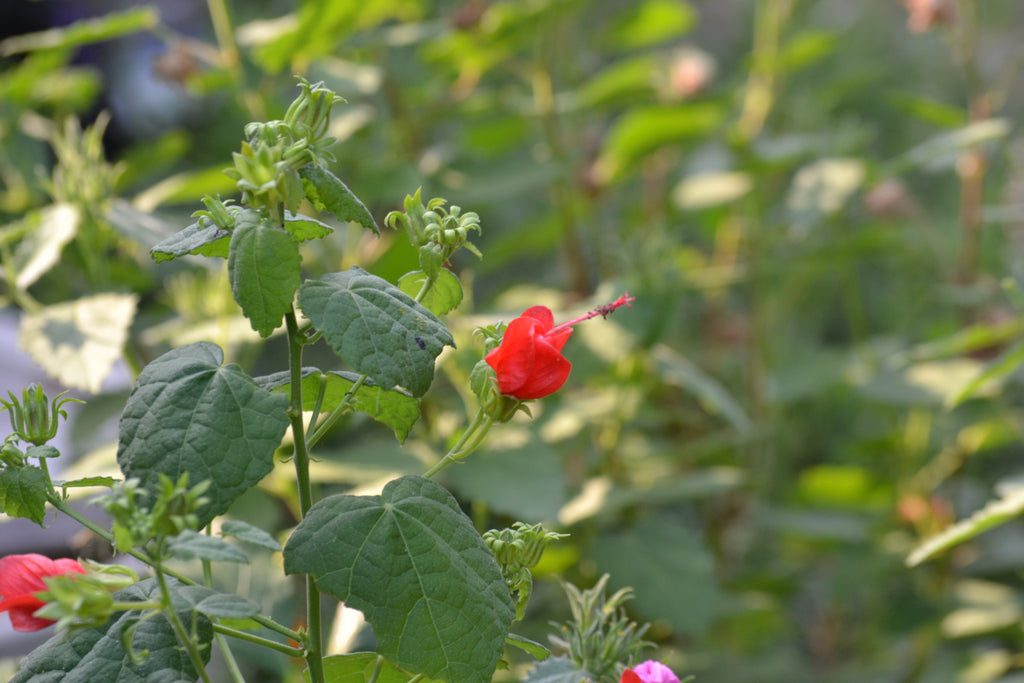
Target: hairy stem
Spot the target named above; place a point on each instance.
(314, 643)
(184, 638)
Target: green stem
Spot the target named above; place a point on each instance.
(298, 653)
(179, 628)
(314, 642)
(229, 656)
(467, 443)
(63, 507)
(335, 414)
(229, 55)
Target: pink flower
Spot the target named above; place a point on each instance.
(21, 577)
(529, 363)
(649, 672)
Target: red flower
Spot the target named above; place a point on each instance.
(529, 363)
(649, 672)
(21, 577)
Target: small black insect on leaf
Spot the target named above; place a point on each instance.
(422, 344)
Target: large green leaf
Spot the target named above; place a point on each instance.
(328, 193)
(376, 328)
(97, 654)
(84, 31)
(187, 413)
(359, 667)
(23, 492)
(393, 407)
(78, 341)
(202, 238)
(264, 267)
(412, 562)
(669, 566)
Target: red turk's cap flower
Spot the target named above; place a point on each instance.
(529, 363)
(649, 672)
(21, 577)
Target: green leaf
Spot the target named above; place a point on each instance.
(531, 647)
(265, 270)
(412, 562)
(202, 238)
(328, 193)
(376, 328)
(86, 482)
(558, 670)
(97, 654)
(643, 130)
(670, 567)
(359, 667)
(78, 341)
(444, 295)
(23, 493)
(220, 605)
(248, 533)
(187, 413)
(191, 545)
(83, 32)
(651, 22)
(304, 228)
(996, 512)
(393, 407)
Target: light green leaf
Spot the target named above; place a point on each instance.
(328, 193)
(412, 562)
(304, 228)
(187, 413)
(97, 654)
(992, 515)
(650, 22)
(359, 667)
(265, 270)
(531, 647)
(942, 151)
(191, 545)
(376, 328)
(83, 32)
(23, 493)
(78, 341)
(393, 407)
(679, 371)
(643, 130)
(202, 238)
(48, 230)
(672, 570)
(248, 533)
(444, 295)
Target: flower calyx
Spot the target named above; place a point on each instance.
(35, 418)
(435, 231)
(518, 549)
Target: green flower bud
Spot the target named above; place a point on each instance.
(34, 419)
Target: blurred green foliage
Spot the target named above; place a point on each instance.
(819, 206)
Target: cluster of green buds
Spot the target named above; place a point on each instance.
(35, 418)
(600, 636)
(85, 600)
(82, 175)
(518, 549)
(436, 232)
(266, 170)
(173, 511)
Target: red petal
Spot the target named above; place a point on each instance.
(513, 360)
(629, 676)
(548, 374)
(23, 574)
(541, 314)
